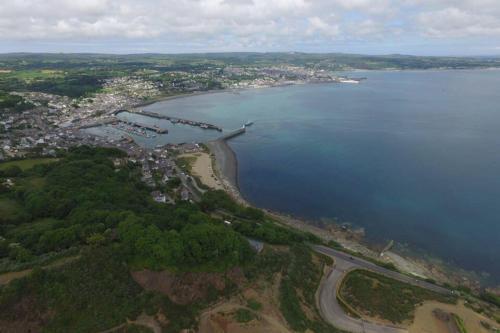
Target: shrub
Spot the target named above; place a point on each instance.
(254, 305)
(244, 316)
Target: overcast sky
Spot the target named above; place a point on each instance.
(420, 27)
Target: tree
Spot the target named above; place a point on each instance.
(19, 253)
(96, 239)
(12, 171)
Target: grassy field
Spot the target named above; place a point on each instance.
(27, 164)
(31, 75)
(378, 296)
(186, 162)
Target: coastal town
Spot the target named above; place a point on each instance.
(249, 166)
(112, 113)
(57, 122)
(54, 123)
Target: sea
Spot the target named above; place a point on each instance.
(410, 156)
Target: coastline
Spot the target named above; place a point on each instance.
(172, 97)
(236, 90)
(163, 98)
(227, 161)
(225, 165)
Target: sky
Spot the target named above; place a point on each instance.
(418, 27)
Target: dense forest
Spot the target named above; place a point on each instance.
(102, 223)
(82, 199)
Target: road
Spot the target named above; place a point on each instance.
(191, 185)
(329, 306)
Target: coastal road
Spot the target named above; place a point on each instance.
(329, 306)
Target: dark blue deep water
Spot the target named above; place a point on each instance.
(410, 156)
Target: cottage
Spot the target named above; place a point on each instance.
(159, 197)
(185, 194)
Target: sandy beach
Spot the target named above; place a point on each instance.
(201, 167)
(226, 165)
(226, 160)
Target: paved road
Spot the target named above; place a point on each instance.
(361, 263)
(189, 184)
(330, 308)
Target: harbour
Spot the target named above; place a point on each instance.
(173, 120)
(318, 135)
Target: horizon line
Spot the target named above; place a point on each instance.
(251, 52)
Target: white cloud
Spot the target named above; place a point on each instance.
(455, 22)
(316, 24)
(240, 23)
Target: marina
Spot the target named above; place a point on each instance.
(129, 127)
(144, 127)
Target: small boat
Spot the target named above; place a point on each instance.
(248, 123)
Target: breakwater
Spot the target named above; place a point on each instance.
(115, 121)
(233, 134)
(173, 120)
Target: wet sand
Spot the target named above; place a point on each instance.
(226, 161)
(226, 168)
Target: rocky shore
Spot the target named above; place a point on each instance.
(225, 164)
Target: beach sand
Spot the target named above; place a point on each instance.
(202, 168)
(227, 163)
(226, 168)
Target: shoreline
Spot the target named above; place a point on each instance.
(172, 97)
(225, 164)
(227, 90)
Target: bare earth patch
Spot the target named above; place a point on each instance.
(426, 320)
(185, 288)
(221, 318)
(5, 278)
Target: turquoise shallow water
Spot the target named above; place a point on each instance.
(409, 156)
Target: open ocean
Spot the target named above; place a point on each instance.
(412, 156)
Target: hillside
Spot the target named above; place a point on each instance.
(93, 250)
